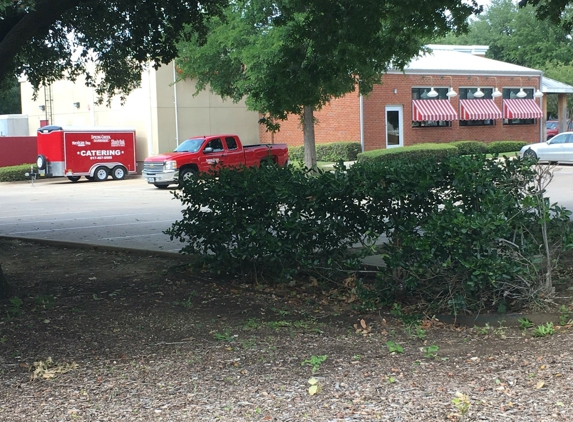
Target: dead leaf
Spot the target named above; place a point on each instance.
(315, 387)
(540, 385)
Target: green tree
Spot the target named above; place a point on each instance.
(294, 56)
(108, 41)
(10, 100)
(517, 35)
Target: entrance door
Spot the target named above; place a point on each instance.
(394, 126)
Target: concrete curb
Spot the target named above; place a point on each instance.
(67, 244)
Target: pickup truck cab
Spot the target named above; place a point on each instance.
(208, 153)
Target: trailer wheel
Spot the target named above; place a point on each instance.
(74, 178)
(101, 174)
(91, 179)
(41, 162)
(118, 173)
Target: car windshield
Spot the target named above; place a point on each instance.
(190, 145)
(551, 125)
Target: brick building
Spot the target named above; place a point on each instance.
(444, 96)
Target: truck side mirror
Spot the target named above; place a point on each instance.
(208, 150)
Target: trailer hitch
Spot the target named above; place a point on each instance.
(32, 175)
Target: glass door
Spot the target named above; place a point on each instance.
(394, 126)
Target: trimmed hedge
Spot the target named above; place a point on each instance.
(15, 173)
(470, 147)
(334, 151)
(500, 147)
(438, 151)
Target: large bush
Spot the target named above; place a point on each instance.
(16, 173)
(462, 233)
(270, 221)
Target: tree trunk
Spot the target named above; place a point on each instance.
(309, 144)
(5, 289)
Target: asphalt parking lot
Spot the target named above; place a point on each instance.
(126, 213)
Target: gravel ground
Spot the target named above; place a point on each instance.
(117, 336)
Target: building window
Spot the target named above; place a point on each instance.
(468, 94)
(421, 93)
(510, 94)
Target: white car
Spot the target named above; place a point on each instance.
(558, 149)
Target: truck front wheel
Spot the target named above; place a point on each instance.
(118, 173)
(101, 174)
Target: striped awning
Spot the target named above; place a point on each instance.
(522, 108)
(482, 109)
(424, 110)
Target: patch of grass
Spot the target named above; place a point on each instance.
(226, 336)
(564, 315)
(431, 351)
(544, 330)
(187, 303)
(314, 361)
(251, 324)
(462, 403)
(14, 309)
(45, 301)
(525, 323)
(394, 347)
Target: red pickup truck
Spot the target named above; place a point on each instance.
(207, 153)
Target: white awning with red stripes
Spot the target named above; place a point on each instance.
(482, 109)
(424, 110)
(522, 108)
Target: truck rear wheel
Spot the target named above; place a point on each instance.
(118, 173)
(185, 175)
(74, 178)
(158, 186)
(101, 174)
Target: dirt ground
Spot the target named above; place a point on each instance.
(99, 335)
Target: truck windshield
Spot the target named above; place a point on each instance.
(190, 145)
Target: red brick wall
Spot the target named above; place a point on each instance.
(382, 95)
(15, 150)
(337, 121)
(340, 120)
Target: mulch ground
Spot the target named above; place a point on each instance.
(117, 336)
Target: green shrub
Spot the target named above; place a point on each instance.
(15, 173)
(335, 151)
(296, 153)
(500, 147)
(413, 152)
(463, 232)
(270, 221)
(470, 147)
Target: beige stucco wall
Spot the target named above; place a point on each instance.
(149, 109)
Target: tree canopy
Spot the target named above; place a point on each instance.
(517, 35)
(47, 40)
(294, 56)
